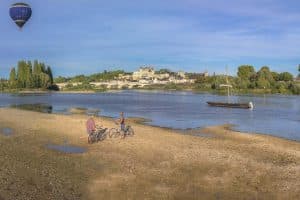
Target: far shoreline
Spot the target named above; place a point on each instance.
(212, 92)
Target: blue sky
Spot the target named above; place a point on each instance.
(88, 36)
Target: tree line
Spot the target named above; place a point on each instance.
(31, 76)
(37, 75)
(247, 79)
(102, 76)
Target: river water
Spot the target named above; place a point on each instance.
(276, 115)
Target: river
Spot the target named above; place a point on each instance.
(276, 115)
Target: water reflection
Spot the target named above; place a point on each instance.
(65, 148)
(38, 107)
(80, 110)
(6, 131)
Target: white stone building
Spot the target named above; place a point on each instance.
(146, 73)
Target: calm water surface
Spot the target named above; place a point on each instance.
(66, 148)
(273, 114)
(6, 131)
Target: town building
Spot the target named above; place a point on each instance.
(147, 73)
(144, 76)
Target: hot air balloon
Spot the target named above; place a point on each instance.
(20, 13)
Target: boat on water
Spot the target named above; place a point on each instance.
(231, 105)
(228, 104)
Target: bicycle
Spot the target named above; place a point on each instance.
(116, 132)
(99, 135)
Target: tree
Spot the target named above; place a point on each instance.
(31, 76)
(60, 79)
(294, 88)
(281, 87)
(37, 70)
(105, 76)
(202, 80)
(28, 75)
(79, 78)
(3, 84)
(264, 78)
(36, 67)
(49, 72)
(245, 72)
(21, 74)
(299, 71)
(275, 76)
(45, 80)
(286, 76)
(42, 67)
(13, 78)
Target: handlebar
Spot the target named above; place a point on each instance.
(99, 126)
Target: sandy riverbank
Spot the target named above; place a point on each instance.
(154, 164)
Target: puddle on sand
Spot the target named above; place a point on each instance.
(198, 133)
(205, 135)
(66, 148)
(6, 131)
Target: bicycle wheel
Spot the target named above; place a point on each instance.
(92, 138)
(102, 135)
(113, 133)
(130, 131)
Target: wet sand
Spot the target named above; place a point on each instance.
(156, 163)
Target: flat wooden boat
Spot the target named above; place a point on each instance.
(231, 105)
(248, 105)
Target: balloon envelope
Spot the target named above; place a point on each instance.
(20, 13)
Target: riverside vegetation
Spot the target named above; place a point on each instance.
(247, 80)
(36, 76)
